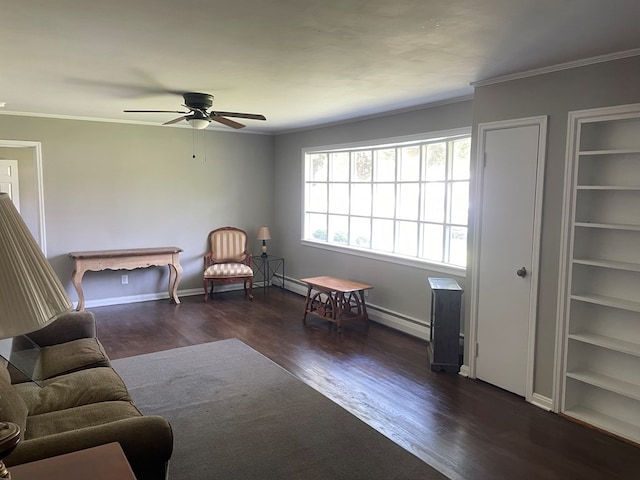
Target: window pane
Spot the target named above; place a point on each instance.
(317, 167)
(317, 197)
(407, 238)
(460, 202)
(409, 164)
(383, 196)
(360, 235)
(408, 199)
(339, 167)
(432, 245)
(385, 165)
(382, 235)
(461, 159)
(362, 165)
(433, 202)
(458, 246)
(361, 199)
(316, 228)
(338, 228)
(436, 156)
(338, 198)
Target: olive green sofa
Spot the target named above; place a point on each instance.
(58, 386)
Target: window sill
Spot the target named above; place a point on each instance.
(387, 257)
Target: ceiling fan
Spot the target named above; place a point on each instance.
(199, 116)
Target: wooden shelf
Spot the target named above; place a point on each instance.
(598, 262)
(621, 188)
(606, 382)
(605, 422)
(623, 151)
(611, 343)
(630, 305)
(609, 226)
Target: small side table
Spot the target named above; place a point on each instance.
(336, 300)
(104, 462)
(266, 268)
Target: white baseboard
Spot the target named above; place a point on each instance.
(541, 401)
(464, 371)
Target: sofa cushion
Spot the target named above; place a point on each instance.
(93, 385)
(12, 407)
(72, 356)
(76, 418)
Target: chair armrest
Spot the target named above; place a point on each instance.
(147, 442)
(69, 326)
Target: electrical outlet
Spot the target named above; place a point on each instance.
(125, 279)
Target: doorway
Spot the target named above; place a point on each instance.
(510, 177)
(29, 157)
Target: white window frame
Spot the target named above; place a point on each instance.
(366, 252)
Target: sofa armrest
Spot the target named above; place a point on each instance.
(147, 442)
(66, 328)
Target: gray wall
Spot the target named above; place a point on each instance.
(555, 95)
(113, 185)
(399, 289)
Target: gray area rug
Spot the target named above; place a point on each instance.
(237, 415)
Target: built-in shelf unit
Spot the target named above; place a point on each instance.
(601, 271)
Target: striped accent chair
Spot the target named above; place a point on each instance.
(227, 260)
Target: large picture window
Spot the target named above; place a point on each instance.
(407, 198)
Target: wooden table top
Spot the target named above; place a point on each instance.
(104, 462)
(127, 252)
(336, 284)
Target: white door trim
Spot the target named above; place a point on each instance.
(37, 149)
(483, 128)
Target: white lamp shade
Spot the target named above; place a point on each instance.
(198, 123)
(31, 295)
(263, 233)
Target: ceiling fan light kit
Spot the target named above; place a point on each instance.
(198, 123)
(199, 115)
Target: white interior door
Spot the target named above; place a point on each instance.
(508, 253)
(9, 180)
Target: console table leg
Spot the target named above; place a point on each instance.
(175, 275)
(76, 279)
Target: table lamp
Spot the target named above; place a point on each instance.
(31, 295)
(263, 234)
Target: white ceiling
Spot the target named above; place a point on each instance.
(299, 62)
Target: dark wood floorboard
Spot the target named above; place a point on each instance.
(465, 428)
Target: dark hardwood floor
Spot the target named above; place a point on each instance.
(464, 428)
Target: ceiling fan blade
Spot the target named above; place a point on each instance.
(251, 116)
(175, 120)
(154, 111)
(226, 121)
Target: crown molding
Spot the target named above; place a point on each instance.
(128, 122)
(556, 68)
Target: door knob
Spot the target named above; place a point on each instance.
(522, 272)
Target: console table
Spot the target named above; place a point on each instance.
(336, 300)
(127, 259)
(104, 462)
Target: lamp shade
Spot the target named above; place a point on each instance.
(31, 295)
(263, 233)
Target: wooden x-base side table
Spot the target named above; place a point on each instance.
(335, 299)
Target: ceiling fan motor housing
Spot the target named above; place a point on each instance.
(198, 101)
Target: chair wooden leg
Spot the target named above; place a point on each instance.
(206, 288)
(250, 289)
